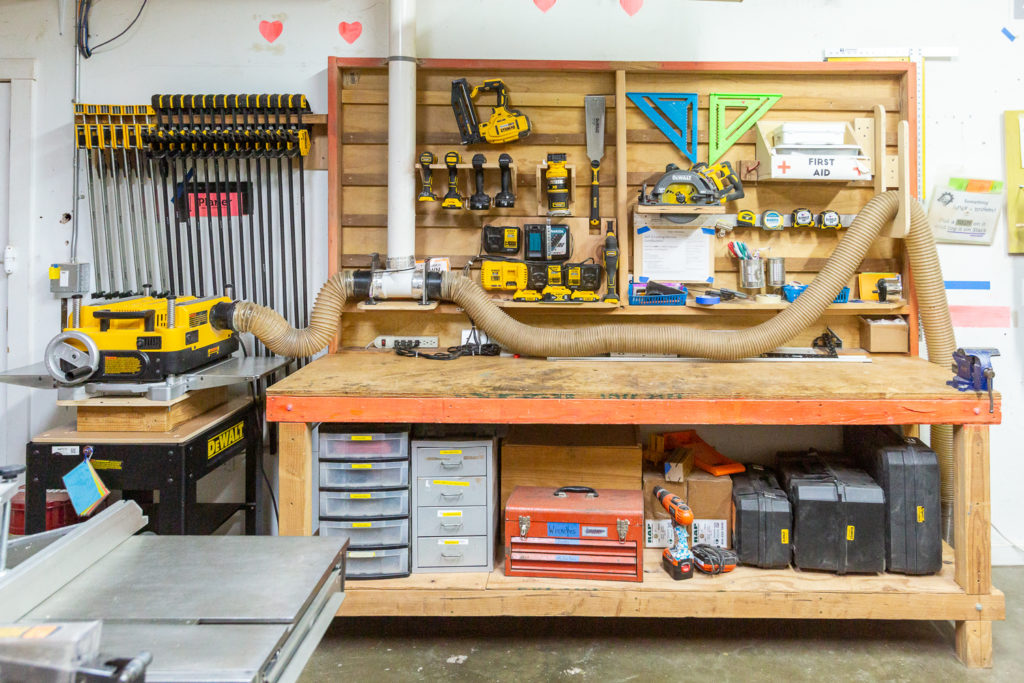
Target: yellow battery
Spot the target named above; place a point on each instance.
(507, 275)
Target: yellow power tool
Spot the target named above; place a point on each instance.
(141, 339)
(505, 125)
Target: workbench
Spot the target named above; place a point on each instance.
(366, 386)
(138, 463)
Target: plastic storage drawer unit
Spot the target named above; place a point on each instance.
(364, 504)
(377, 563)
(364, 446)
(368, 533)
(762, 519)
(838, 515)
(364, 474)
(908, 472)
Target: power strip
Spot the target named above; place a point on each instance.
(388, 342)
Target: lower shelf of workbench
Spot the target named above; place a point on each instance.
(747, 592)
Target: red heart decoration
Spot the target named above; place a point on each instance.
(350, 32)
(631, 6)
(271, 30)
(544, 5)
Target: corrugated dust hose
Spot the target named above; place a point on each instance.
(680, 339)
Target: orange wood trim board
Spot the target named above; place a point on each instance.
(968, 410)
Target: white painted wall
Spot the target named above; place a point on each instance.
(197, 46)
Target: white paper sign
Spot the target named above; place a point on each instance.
(677, 255)
(961, 217)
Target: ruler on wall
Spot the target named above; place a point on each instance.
(917, 55)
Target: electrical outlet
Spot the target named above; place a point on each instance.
(388, 341)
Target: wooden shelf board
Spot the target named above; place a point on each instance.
(747, 592)
(683, 209)
(753, 308)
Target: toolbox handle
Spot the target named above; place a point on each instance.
(561, 493)
(148, 317)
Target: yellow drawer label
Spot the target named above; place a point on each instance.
(452, 541)
(359, 495)
(362, 466)
(849, 532)
(920, 514)
(452, 452)
(785, 536)
(362, 525)
(355, 437)
(359, 554)
(446, 482)
(449, 513)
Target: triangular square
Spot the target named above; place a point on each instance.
(675, 115)
(722, 135)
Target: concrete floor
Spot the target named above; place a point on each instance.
(550, 649)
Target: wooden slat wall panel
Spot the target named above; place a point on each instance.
(553, 99)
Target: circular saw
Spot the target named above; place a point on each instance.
(701, 185)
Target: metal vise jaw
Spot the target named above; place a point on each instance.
(973, 371)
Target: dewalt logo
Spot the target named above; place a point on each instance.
(226, 439)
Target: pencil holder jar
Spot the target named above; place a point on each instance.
(752, 273)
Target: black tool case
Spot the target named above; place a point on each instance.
(908, 472)
(838, 514)
(762, 519)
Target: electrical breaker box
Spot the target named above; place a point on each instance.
(69, 279)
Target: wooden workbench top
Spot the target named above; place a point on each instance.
(373, 386)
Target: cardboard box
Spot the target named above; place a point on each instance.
(884, 335)
(598, 456)
(710, 498)
(652, 508)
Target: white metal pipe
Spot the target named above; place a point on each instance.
(402, 136)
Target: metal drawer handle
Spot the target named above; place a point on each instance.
(449, 525)
(457, 494)
(451, 556)
(451, 464)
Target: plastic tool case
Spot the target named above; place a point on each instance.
(908, 472)
(762, 519)
(575, 532)
(838, 514)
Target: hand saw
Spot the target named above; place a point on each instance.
(594, 106)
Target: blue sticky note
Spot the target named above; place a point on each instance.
(641, 230)
(708, 231)
(83, 488)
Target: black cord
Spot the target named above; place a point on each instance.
(712, 560)
(84, 8)
(259, 425)
(472, 347)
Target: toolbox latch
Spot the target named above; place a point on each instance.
(622, 526)
(524, 525)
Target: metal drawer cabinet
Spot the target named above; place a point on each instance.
(463, 551)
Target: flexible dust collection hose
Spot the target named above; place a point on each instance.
(270, 328)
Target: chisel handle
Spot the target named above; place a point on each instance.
(595, 194)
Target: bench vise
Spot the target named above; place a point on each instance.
(973, 371)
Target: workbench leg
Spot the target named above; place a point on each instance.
(171, 510)
(972, 537)
(253, 457)
(37, 473)
(295, 479)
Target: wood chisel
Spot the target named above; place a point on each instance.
(594, 106)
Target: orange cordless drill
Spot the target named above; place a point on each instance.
(677, 559)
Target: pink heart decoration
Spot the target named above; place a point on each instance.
(350, 32)
(271, 30)
(544, 5)
(631, 6)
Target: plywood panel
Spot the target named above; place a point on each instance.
(552, 96)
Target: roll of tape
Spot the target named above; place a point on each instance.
(768, 298)
(708, 300)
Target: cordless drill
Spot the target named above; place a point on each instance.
(677, 560)
(427, 189)
(611, 265)
(479, 201)
(452, 200)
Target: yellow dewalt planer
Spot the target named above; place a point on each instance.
(141, 339)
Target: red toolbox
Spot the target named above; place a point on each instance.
(575, 532)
